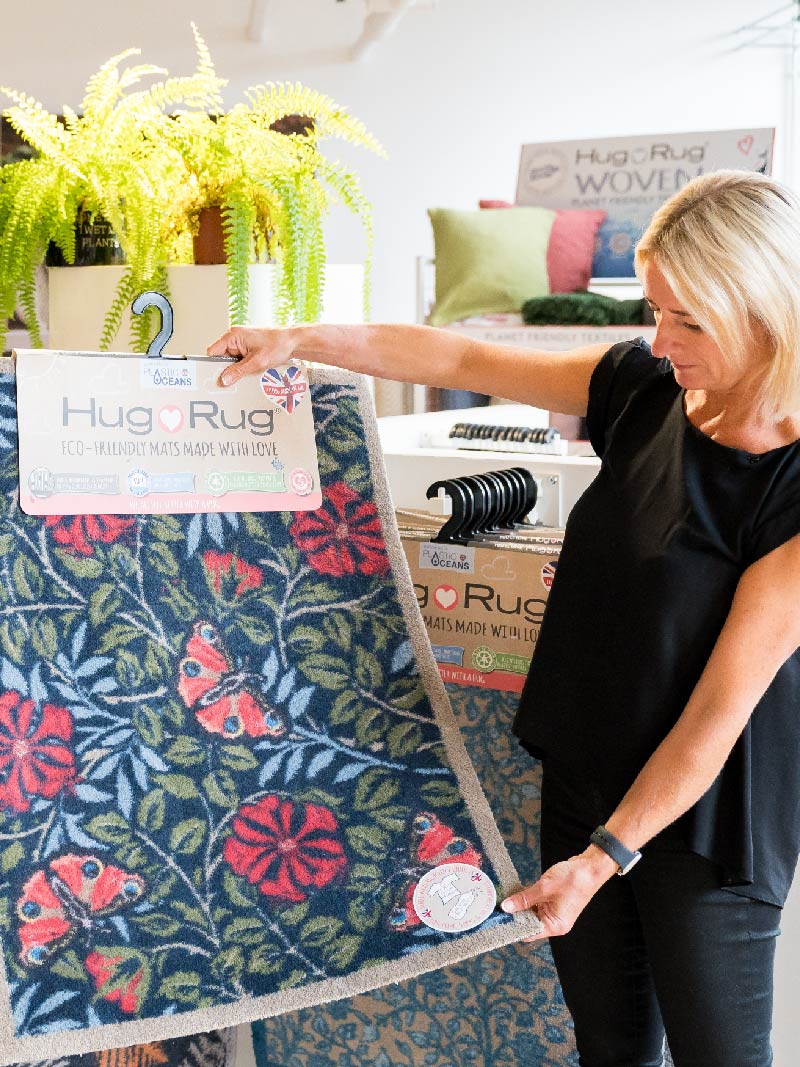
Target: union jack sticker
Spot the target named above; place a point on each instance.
(548, 574)
(285, 386)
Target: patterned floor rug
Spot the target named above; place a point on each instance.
(215, 1049)
(503, 1009)
(226, 758)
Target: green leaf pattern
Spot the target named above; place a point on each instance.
(214, 746)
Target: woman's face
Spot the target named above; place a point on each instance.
(697, 361)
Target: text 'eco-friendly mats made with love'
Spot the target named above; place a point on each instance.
(226, 757)
(502, 1009)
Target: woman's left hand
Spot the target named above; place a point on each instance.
(562, 892)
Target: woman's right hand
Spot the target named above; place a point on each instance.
(563, 891)
(257, 348)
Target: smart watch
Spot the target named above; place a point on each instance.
(613, 847)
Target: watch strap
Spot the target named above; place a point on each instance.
(624, 858)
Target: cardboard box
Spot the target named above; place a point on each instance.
(482, 603)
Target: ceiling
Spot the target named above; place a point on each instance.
(241, 33)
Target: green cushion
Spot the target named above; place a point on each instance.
(488, 261)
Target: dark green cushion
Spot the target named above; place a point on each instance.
(582, 308)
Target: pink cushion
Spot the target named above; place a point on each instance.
(571, 248)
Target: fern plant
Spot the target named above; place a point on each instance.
(108, 160)
(274, 189)
(149, 159)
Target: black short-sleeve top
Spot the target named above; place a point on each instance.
(652, 554)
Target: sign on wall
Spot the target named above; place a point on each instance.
(629, 177)
(122, 434)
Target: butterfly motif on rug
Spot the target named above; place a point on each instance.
(154, 1054)
(67, 898)
(225, 700)
(432, 843)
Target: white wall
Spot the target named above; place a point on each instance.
(451, 94)
(455, 91)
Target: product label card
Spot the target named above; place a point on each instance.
(118, 434)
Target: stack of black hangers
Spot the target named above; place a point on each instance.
(476, 431)
(485, 504)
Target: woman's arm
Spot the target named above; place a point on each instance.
(760, 633)
(556, 381)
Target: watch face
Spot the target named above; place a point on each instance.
(631, 863)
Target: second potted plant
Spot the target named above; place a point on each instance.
(261, 167)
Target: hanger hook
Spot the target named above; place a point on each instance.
(153, 299)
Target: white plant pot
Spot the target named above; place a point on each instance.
(81, 296)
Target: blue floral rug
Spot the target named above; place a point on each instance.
(503, 1009)
(226, 758)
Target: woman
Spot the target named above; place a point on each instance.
(663, 695)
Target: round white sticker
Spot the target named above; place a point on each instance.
(301, 481)
(139, 482)
(454, 897)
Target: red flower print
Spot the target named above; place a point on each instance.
(77, 532)
(225, 565)
(36, 757)
(285, 848)
(343, 536)
(102, 969)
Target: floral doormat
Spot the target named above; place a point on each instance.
(502, 1009)
(226, 758)
(215, 1049)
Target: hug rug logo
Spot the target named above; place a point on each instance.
(139, 420)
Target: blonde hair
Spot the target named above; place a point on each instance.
(728, 245)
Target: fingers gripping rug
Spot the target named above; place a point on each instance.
(226, 758)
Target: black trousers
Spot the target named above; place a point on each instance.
(664, 949)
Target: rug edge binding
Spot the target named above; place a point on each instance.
(76, 1042)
